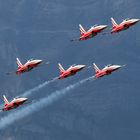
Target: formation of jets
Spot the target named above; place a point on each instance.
(72, 70)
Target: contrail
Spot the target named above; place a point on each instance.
(35, 89)
(11, 118)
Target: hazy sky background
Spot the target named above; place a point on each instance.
(106, 109)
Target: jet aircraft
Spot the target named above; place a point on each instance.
(125, 24)
(106, 70)
(13, 104)
(92, 32)
(72, 70)
(29, 65)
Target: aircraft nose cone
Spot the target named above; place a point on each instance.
(119, 66)
(104, 26)
(39, 61)
(82, 66)
(24, 99)
(136, 20)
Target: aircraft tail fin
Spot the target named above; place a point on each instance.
(19, 63)
(82, 30)
(5, 99)
(61, 68)
(95, 67)
(114, 24)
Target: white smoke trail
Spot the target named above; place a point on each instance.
(11, 118)
(35, 89)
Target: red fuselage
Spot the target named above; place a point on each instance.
(106, 71)
(92, 32)
(14, 104)
(124, 25)
(71, 71)
(28, 66)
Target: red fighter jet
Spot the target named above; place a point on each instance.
(92, 32)
(72, 70)
(106, 70)
(125, 24)
(13, 104)
(29, 65)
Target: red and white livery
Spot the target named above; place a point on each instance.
(125, 24)
(92, 32)
(106, 70)
(29, 65)
(13, 104)
(72, 70)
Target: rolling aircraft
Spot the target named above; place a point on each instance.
(125, 24)
(92, 32)
(13, 104)
(29, 65)
(106, 70)
(72, 70)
